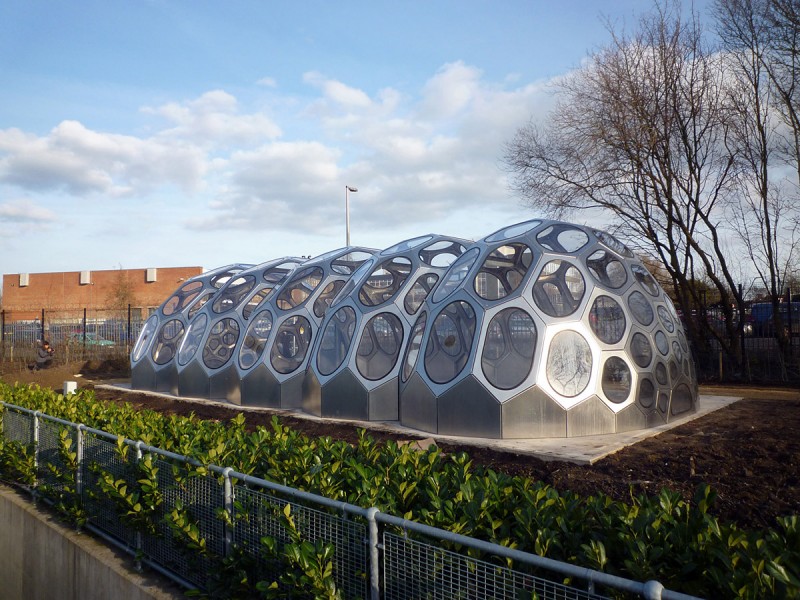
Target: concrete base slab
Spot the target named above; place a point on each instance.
(584, 450)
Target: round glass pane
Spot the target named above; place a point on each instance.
(661, 342)
(616, 381)
(385, 281)
(167, 341)
(192, 339)
(199, 303)
(666, 319)
(613, 243)
(348, 264)
(181, 299)
(644, 277)
(255, 301)
(641, 308)
(562, 238)
(414, 342)
(607, 320)
(419, 291)
(450, 342)
(457, 273)
(379, 346)
(353, 281)
(661, 374)
(291, 344)
(233, 293)
(606, 269)
(559, 289)
(502, 271)
(220, 343)
(641, 351)
(441, 254)
(325, 299)
(255, 339)
(569, 363)
(406, 245)
(298, 290)
(508, 349)
(512, 231)
(336, 340)
(144, 338)
(647, 393)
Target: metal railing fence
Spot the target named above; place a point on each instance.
(376, 555)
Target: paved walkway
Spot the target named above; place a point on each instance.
(580, 450)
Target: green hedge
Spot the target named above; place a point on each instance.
(662, 537)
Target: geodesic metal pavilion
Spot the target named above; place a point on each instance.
(541, 329)
(355, 366)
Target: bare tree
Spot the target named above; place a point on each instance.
(121, 294)
(761, 97)
(640, 133)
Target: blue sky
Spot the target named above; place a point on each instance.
(160, 133)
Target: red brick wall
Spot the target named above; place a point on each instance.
(63, 291)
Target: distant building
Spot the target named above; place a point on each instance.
(61, 295)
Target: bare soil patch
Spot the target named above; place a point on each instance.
(748, 452)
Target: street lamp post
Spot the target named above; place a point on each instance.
(347, 190)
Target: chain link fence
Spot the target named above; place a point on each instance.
(376, 555)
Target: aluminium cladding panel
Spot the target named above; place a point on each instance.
(384, 402)
(630, 418)
(590, 417)
(312, 394)
(418, 405)
(224, 384)
(344, 397)
(166, 379)
(143, 376)
(533, 414)
(260, 388)
(193, 381)
(468, 409)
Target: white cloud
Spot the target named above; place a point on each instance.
(450, 91)
(338, 92)
(24, 211)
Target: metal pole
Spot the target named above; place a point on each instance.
(42, 338)
(84, 325)
(347, 190)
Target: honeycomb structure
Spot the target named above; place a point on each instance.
(541, 329)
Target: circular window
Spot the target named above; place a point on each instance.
(502, 271)
(441, 254)
(676, 348)
(255, 339)
(607, 270)
(512, 231)
(607, 320)
(569, 363)
(661, 342)
(661, 374)
(336, 340)
(200, 303)
(233, 293)
(414, 343)
(299, 288)
(666, 319)
(563, 238)
(419, 291)
(220, 343)
(450, 342)
(192, 339)
(644, 277)
(181, 299)
(291, 344)
(641, 351)
(559, 289)
(385, 281)
(641, 308)
(325, 299)
(508, 349)
(647, 393)
(347, 264)
(144, 338)
(167, 341)
(616, 380)
(457, 273)
(407, 245)
(379, 346)
(613, 243)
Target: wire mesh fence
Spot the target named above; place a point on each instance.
(200, 516)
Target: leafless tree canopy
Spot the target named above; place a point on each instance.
(670, 140)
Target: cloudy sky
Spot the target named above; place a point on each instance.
(159, 133)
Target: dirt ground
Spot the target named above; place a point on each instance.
(749, 452)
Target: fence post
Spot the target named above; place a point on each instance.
(374, 558)
(42, 338)
(36, 416)
(228, 504)
(139, 544)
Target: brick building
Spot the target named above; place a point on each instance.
(62, 295)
